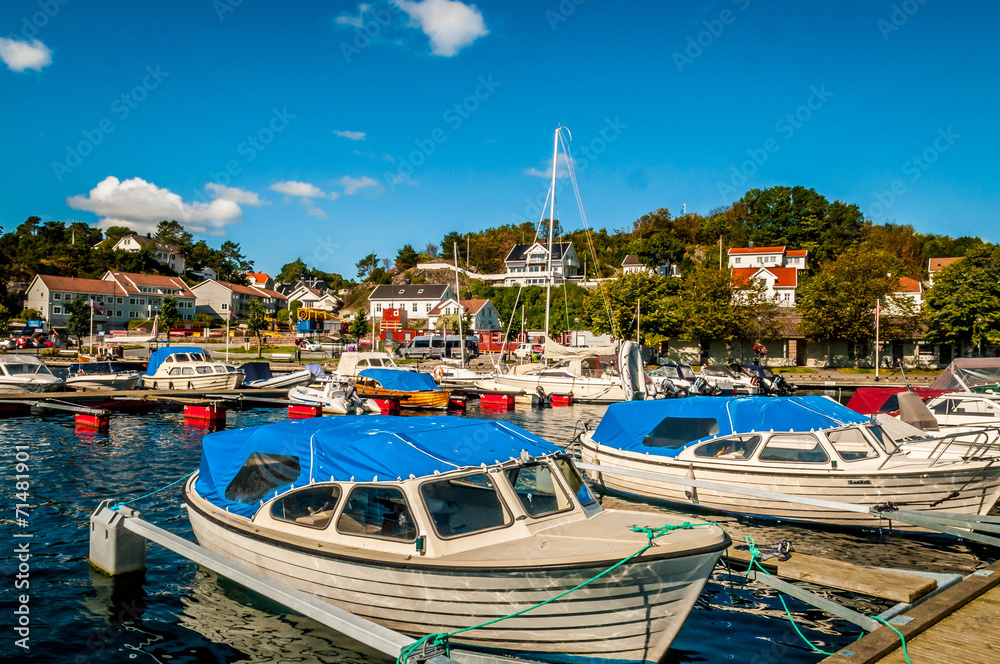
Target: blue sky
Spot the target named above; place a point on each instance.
(289, 129)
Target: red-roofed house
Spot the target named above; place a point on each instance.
(911, 288)
(485, 316)
(780, 282)
(222, 299)
(748, 257)
(259, 279)
(935, 265)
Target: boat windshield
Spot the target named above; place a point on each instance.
(575, 481)
(464, 505)
(537, 490)
(851, 444)
(686, 372)
(26, 368)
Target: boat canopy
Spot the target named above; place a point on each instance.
(401, 379)
(673, 424)
(158, 356)
(965, 372)
(873, 400)
(243, 468)
(555, 351)
(316, 369)
(256, 371)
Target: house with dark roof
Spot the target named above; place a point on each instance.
(166, 254)
(482, 314)
(313, 298)
(528, 264)
(223, 300)
(632, 265)
(779, 282)
(417, 299)
(118, 297)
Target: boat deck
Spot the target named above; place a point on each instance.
(957, 626)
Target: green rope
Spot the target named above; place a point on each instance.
(442, 637)
(906, 655)
(152, 493)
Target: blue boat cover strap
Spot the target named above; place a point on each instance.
(627, 424)
(158, 356)
(401, 379)
(242, 468)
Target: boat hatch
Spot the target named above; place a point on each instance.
(260, 475)
(676, 432)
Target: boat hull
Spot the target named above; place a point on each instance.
(631, 615)
(283, 380)
(437, 399)
(107, 382)
(587, 390)
(12, 387)
(978, 489)
(214, 381)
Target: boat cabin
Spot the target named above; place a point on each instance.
(351, 363)
(965, 409)
(23, 366)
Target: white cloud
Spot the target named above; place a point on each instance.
(352, 135)
(20, 55)
(142, 205)
(300, 189)
(235, 194)
(305, 192)
(351, 185)
(354, 21)
(450, 25)
(561, 170)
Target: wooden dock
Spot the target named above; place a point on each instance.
(959, 625)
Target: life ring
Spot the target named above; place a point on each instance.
(438, 372)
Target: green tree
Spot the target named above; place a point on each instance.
(965, 292)
(173, 233)
(203, 320)
(293, 310)
(359, 326)
(838, 303)
(114, 233)
(366, 266)
(78, 323)
(5, 317)
(406, 258)
(231, 264)
(169, 315)
(30, 314)
(256, 321)
(654, 296)
(292, 272)
(281, 316)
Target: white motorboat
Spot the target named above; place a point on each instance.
(965, 409)
(189, 368)
(97, 375)
(580, 372)
(672, 380)
(353, 362)
(258, 375)
(429, 525)
(332, 398)
(802, 446)
(452, 375)
(25, 373)
(727, 379)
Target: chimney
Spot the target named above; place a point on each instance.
(751, 245)
(406, 282)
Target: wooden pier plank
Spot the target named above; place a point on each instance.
(885, 584)
(957, 626)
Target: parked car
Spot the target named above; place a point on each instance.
(421, 348)
(309, 346)
(25, 342)
(7, 344)
(524, 351)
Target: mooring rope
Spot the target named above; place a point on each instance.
(440, 638)
(152, 493)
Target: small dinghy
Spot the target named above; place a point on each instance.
(97, 375)
(414, 389)
(432, 525)
(258, 374)
(333, 398)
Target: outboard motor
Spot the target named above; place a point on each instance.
(632, 373)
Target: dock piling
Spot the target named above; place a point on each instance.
(113, 549)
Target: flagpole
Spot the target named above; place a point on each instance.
(91, 325)
(877, 311)
(229, 315)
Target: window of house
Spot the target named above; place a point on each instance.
(312, 507)
(225, 305)
(414, 307)
(118, 314)
(56, 296)
(427, 307)
(120, 300)
(464, 505)
(377, 511)
(57, 310)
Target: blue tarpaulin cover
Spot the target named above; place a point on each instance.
(256, 371)
(156, 359)
(626, 424)
(401, 379)
(316, 369)
(363, 447)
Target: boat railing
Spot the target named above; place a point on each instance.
(982, 441)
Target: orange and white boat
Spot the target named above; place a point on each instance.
(413, 389)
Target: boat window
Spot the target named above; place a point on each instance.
(219, 369)
(733, 448)
(230, 369)
(170, 358)
(375, 363)
(179, 357)
(260, 475)
(537, 490)
(794, 447)
(464, 505)
(942, 407)
(176, 371)
(974, 407)
(575, 481)
(187, 371)
(852, 445)
(311, 507)
(378, 512)
(676, 432)
(202, 369)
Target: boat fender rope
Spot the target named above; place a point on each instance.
(152, 493)
(441, 638)
(782, 550)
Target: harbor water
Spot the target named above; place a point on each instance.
(178, 613)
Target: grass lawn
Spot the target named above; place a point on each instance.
(886, 372)
(793, 370)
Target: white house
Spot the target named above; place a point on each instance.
(166, 254)
(222, 299)
(780, 282)
(484, 316)
(119, 297)
(417, 299)
(935, 265)
(312, 298)
(632, 265)
(912, 289)
(260, 280)
(755, 257)
(205, 273)
(528, 264)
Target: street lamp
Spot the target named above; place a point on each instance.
(979, 328)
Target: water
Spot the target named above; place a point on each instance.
(176, 613)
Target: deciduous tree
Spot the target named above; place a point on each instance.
(965, 292)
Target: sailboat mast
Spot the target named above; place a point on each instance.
(552, 216)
